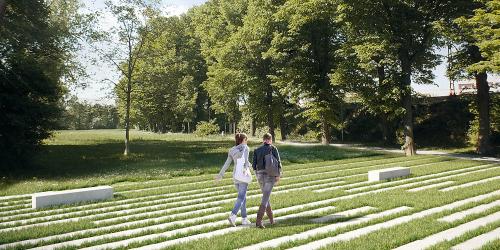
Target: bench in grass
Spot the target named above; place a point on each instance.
(46, 199)
(388, 173)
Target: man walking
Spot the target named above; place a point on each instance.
(265, 179)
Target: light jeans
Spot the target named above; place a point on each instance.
(241, 200)
(266, 183)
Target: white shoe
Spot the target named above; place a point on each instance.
(245, 221)
(232, 220)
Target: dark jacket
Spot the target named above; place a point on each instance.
(259, 155)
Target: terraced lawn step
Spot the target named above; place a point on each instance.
(123, 243)
(288, 177)
(391, 223)
(451, 233)
(435, 185)
(479, 241)
(224, 231)
(475, 210)
(124, 225)
(329, 228)
(466, 171)
(469, 184)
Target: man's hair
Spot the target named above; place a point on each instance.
(267, 136)
(239, 138)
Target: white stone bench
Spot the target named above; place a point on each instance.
(388, 173)
(46, 199)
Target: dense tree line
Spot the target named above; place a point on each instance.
(79, 115)
(287, 66)
(277, 63)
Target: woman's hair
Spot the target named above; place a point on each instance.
(239, 138)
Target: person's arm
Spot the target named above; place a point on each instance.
(225, 167)
(277, 156)
(245, 157)
(254, 164)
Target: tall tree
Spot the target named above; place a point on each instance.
(304, 48)
(35, 44)
(409, 28)
(122, 46)
(169, 72)
(477, 42)
(215, 22)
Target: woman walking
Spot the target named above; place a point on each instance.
(241, 176)
(265, 178)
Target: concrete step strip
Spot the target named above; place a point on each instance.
(122, 225)
(478, 241)
(435, 185)
(12, 197)
(104, 210)
(101, 205)
(475, 210)
(295, 176)
(126, 203)
(220, 231)
(349, 196)
(451, 233)
(341, 187)
(220, 202)
(356, 184)
(154, 227)
(401, 159)
(344, 214)
(18, 202)
(324, 229)
(391, 223)
(485, 166)
(468, 184)
(208, 190)
(103, 213)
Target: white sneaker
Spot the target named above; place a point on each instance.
(245, 221)
(232, 220)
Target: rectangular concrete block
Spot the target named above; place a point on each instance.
(388, 173)
(46, 199)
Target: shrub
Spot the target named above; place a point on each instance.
(205, 128)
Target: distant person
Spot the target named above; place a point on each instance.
(241, 176)
(266, 177)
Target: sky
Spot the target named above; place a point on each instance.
(98, 91)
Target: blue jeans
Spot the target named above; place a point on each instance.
(241, 201)
(266, 183)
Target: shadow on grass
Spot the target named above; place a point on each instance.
(157, 157)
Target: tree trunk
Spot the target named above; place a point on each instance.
(253, 127)
(409, 146)
(3, 5)
(383, 127)
(127, 118)
(483, 107)
(325, 129)
(270, 113)
(283, 128)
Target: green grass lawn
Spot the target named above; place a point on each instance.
(95, 157)
(165, 192)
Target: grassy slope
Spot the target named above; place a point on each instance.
(88, 158)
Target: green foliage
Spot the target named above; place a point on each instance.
(83, 115)
(204, 128)
(168, 76)
(483, 27)
(305, 50)
(36, 43)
